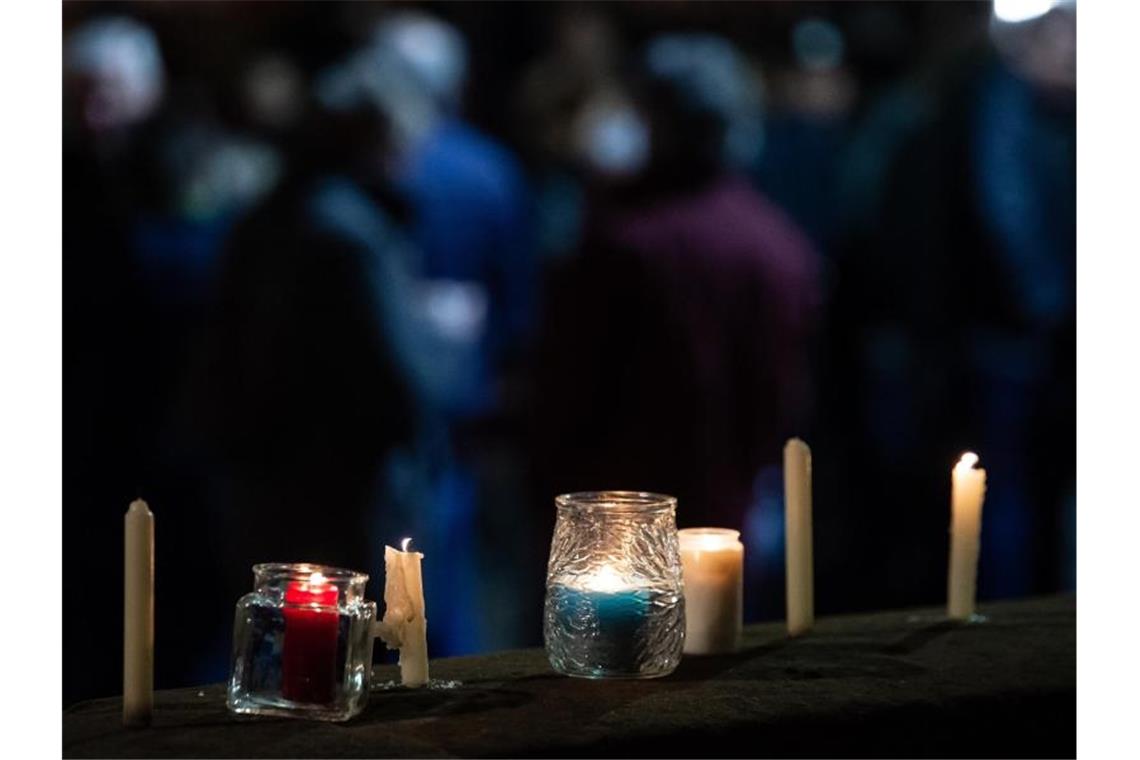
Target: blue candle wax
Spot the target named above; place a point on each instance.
(604, 631)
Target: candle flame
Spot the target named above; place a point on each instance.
(405, 543)
(967, 462)
(316, 579)
(606, 579)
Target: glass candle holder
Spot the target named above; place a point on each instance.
(614, 601)
(302, 643)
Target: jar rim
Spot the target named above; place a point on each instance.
(303, 571)
(640, 502)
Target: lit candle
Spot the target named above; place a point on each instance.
(968, 491)
(138, 614)
(800, 584)
(607, 613)
(308, 656)
(712, 561)
(404, 626)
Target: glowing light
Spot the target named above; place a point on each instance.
(605, 579)
(1017, 11)
(967, 462)
(707, 539)
(405, 544)
(316, 579)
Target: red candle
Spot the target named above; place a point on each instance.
(309, 652)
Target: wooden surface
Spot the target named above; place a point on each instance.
(892, 684)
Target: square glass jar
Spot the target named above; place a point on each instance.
(302, 643)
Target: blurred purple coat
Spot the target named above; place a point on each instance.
(676, 357)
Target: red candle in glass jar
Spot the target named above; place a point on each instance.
(308, 658)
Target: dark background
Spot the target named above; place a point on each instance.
(924, 151)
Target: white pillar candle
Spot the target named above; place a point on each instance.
(800, 583)
(405, 626)
(967, 492)
(712, 561)
(138, 614)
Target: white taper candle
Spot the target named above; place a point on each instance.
(404, 619)
(967, 492)
(797, 537)
(138, 614)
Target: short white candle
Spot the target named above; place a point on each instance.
(138, 614)
(968, 491)
(405, 625)
(712, 561)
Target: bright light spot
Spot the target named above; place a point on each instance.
(405, 544)
(1016, 11)
(606, 579)
(316, 579)
(968, 460)
(708, 539)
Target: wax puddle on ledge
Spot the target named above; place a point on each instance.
(435, 684)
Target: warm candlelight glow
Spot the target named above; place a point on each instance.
(707, 539)
(967, 462)
(316, 579)
(967, 494)
(405, 544)
(606, 579)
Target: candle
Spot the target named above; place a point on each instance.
(968, 491)
(308, 657)
(404, 625)
(800, 584)
(606, 615)
(712, 561)
(138, 614)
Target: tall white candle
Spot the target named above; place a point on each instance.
(404, 624)
(968, 491)
(138, 614)
(712, 561)
(800, 583)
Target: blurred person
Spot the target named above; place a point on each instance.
(466, 193)
(576, 121)
(311, 375)
(113, 79)
(272, 93)
(807, 127)
(113, 84)
(177, 177)
(675, 348)
(475, 294)
(1023, 145)
(955, 312)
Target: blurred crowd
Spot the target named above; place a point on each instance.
(337, 274)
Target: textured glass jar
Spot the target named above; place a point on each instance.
(302, 643)
(614, 601)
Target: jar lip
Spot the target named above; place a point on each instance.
(640, 502)
(303, 571)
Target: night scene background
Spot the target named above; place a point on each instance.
(337, 274)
